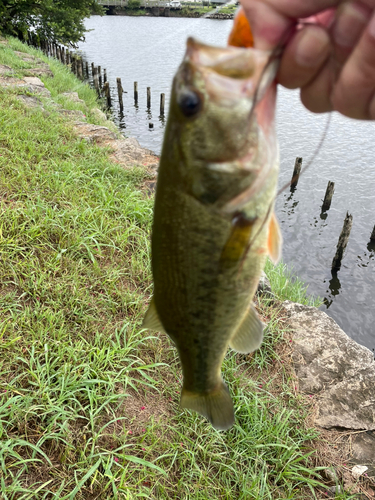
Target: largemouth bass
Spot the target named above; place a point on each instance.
(214, 223)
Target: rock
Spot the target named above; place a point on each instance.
(349, 404)
(129, 152)
(30, 101)
(42, 70)
(34, 81)
(73, 113)
(330, 363)
(363, 449)
(98, 114)
(336, 490)
(330, 474)
(358, 471)
(93, 133)
(264, 286)
(73, 96)
(5, 69)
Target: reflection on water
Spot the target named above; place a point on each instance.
(334, 289)
(149, 50)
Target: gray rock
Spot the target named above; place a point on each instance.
(98, 114)
(264, 286)
(73, 113)
(30, 101)
(363, 448)
(73, 96)
(42, 70)
(330, 363)
(34, 81)
(350, 403)
(5, 69)
(93, 133)
(129, 152)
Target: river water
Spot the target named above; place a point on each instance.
(149, 49)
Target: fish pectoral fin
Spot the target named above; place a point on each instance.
(216, 406)
(249, 335)
(151, 320)
(275, 239)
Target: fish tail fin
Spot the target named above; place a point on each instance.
(216, 406)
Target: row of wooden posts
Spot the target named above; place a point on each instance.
(348, 222)
(81, 69)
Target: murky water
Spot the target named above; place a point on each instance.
(148, 50)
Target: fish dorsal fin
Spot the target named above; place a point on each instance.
(215, 405)
(249, 335)
(151, 320)
(275, 239)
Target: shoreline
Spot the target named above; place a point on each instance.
(175, 13)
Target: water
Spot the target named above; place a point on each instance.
(148, 50)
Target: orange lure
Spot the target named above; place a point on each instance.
(241, 35)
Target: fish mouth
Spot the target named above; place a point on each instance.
(231, 72)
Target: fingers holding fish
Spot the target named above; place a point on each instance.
(304, 57)
(354, 91)
(347, 83)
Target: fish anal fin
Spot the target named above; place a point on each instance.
(216, 406)
(275, 239)
(151, 320)
(249, 334)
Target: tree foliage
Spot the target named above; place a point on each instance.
(56, 20)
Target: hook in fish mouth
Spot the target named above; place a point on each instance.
(229, 72)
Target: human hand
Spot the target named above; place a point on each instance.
(331, 58)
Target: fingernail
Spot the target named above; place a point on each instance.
(349, 25)
(312, 47)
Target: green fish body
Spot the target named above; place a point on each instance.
(213, 221)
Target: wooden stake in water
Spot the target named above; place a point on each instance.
(343, 241)
(79, 68)
(149, 97)
(162, 103)
(104, 75)
(107, 94)
(100, 76)
(296, 172)
(92, 69)
(87, 70)
(120, 91)
(95, 78)
(328, 196)
(63, 55)
(136, 92)
(73, 59)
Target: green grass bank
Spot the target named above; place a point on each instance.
(89, 401)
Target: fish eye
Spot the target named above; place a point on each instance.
(190, 103)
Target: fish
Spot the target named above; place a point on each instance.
(214, 223)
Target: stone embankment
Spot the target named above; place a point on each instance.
(337, 373)
(125, 151)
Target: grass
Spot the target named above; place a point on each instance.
(89, 400)
(287, 286)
